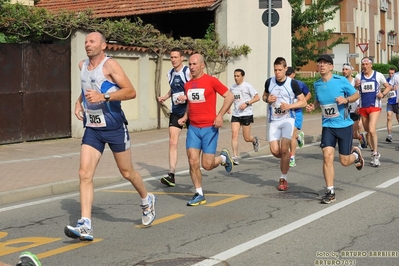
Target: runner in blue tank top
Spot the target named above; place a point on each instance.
(104, 85)
(177, 76)
(333, 94)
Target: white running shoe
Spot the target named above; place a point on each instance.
(81, 231)
(148, 211)
(376, 162)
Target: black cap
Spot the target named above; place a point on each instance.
(290, 70)
(326, 58)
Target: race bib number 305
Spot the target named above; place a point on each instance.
(95, 118)
(196, 95)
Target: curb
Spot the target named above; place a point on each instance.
(52, 189)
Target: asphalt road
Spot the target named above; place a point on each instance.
(246, 221)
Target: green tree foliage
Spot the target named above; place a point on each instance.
(20, 23)
(383, 68)
(305, 26)
(394, 61)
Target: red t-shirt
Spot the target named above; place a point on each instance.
(201, 96)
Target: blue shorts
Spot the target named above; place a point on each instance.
(205, 139)
(330, 136)
(118, 140)
(392, 108)
(298, 120)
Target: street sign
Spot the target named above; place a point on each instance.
(363, 47)
(352, 55)
(275, 17)
(275, 4)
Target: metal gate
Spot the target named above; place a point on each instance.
(35, 92)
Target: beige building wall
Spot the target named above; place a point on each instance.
(242, 24)
(237, 24)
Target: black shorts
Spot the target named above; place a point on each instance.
(173, 121)
(355, 117)
(245, 120)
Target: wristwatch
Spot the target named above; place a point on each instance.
(247, 103)
(106, 97)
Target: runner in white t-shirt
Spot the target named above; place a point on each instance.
(244, 96)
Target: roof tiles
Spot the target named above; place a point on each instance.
(122, 8)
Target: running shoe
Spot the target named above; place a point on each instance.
(363, 140)
(196, 200)
(376, 161)
(168, 180)
(389, 138)
(292, 162)
(256, 144)
(235, 160)
(28, 259)
(148, 211)
(228, 164)
(301, 139)
(283, 185)
(328, 197)
(81, 231)
(359, 162)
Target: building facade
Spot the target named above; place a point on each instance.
(371, 28)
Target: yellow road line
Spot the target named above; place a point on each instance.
(230, 197)
(66, 248)
(162, 220)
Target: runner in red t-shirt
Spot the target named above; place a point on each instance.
(203, 132)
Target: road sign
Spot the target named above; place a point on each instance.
(275, 17)
(275, 4)
(363, 47)
(352, 55)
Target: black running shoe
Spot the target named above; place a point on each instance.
(168, 180)
(328, 197)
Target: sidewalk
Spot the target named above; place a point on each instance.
(33, 170)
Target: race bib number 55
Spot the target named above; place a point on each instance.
(196, 95)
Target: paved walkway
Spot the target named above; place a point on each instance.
(32, 170)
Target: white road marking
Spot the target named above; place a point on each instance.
(232, 252)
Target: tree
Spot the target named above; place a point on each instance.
(305, 32)
(20, 23)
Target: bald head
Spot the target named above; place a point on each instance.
(95, 44)
(196, 64)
